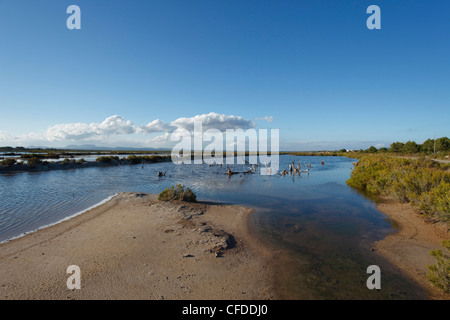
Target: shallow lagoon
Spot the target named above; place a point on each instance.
(319, 229)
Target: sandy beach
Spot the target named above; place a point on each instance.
(409, 248)
(136, 247)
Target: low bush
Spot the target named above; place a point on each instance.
(180, 193)
(107, 159)
(421, 182)
(8, 162)
(39, 156)
(439, 274)
(146, 159)
(66, 161)
(134, 159)
(33, 162)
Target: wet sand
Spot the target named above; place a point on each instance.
(409, 248)
(136, 247)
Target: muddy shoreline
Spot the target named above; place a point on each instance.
(409, 247)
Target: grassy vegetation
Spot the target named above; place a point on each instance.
(314, 153)
(34, 161)
(439, 274)
(423, 183)
(23, 149)
(8, 162)
(67, 161)
(107, 159)
(133, 159)
(180, 193)
(40, 156)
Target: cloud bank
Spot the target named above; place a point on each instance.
(113, 125)
(116, 127)
(211, 120)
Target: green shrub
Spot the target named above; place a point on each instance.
(8, 162)
(372, 149)
(422, 182)
(39, 156)
(439, 274)
(146, 159)
(181, 193)
(134, 159)
(436, 201)
(157, 158)
(107, 159)
(33, 162)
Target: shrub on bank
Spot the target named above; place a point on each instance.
(34, 161)
(146, 159)
(66, 161)
(107, 159)
(439, 274)
(8, 162)
(180, 193)
(423, 183)
(39, 156)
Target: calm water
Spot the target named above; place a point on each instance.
(320, 229)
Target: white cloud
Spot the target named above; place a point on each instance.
(4, 136)
(22, 140)
(113, 125)
(267, 118)
(211, 120)
(214, 120)
(156, 126)
(116, 127)
(162, 138)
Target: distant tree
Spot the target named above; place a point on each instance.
(396, 147)
(372, 149)
(410, 147)
(428, 146)
(343, 150)
(443, 144)
(382, 150)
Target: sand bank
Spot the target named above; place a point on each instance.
(136, 247)
(409, 248)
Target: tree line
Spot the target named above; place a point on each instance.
(428, 147)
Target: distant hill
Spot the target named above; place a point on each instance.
(94, 147)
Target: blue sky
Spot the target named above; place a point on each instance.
(313, 67)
